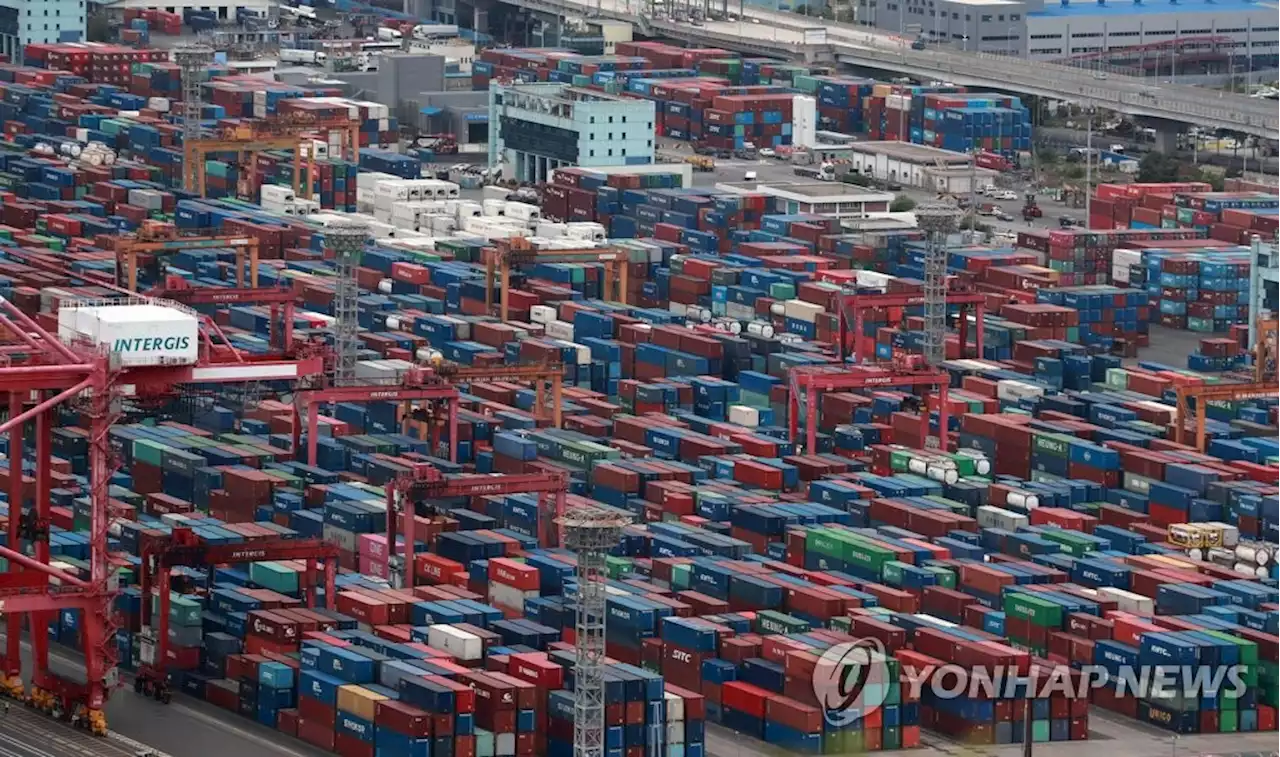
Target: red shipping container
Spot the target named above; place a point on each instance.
(793, 714)
(316, 734)
(746, 698)
(515, 574)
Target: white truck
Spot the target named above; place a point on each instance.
(307, 57)
(387, 34)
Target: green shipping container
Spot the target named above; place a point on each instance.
(1040, 612)
(1075, 546)
(183, 611)
(274, 576)
(773, 622)
(1050, 444)
(149, 452)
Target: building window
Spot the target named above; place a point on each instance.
(624, 119)
(649, 143)
(624, 152)
(1015, 17)
(985, 19)
(611, 121)
(611, 152)
(593, 153)
(593, 120)
(610, 136)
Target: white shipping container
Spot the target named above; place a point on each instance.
(744, 416)
(675, 707)
(542, 314)
(586, 231)
(147, 334)
(523, 211)
(460, 644)
(1127, 601)
(675, 732)
(1137, 484)
(1008, 389)
(509, 596)
(463, 328)
(277, 193)
(990, 516)
(504, 744)
(559, 330)
(802, 311)
(550, 229)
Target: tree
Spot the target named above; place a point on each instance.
(97, 27)
(1157, 168)
(902, 204)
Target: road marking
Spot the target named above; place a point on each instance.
(218, 723)
(224, 725)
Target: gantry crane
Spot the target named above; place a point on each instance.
(184, 548)
(1206, 393)
(282, 301)
(248, 138)
(433, 386)
(853, 305)
(425, 482)
(508, 253)
(157, 239)
(808, 381)
(54, 373)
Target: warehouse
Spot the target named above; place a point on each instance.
(1185, 37)
(825, 198)
(536, 128)
(918, 166)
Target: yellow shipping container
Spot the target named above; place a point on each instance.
(358, 701)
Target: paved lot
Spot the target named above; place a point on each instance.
(185, 728)
(26, 733)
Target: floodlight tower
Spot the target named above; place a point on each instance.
(938, 221)
(347, 240)
(590, 532)
(194, 60)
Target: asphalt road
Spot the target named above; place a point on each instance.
(26, 733)
(185, 728)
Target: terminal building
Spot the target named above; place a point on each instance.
(27, 22)
(919, 166)
(537, 128)
(1166, 36)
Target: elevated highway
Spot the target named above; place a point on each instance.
(764, 32)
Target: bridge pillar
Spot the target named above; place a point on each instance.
(1166, 133)
(480, 15)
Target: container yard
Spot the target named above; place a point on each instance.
(308, 436)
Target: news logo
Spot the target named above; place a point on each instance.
(850, 681)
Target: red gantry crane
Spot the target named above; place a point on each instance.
(424, 482)
(808, 381)
(184, 548)
(433, 386)
(853, 306)
(43, 372)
